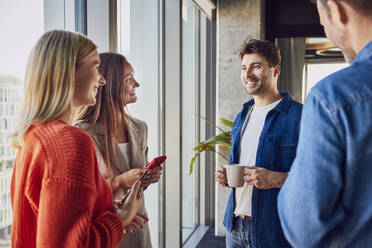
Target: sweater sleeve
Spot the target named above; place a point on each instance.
(65, 218)
(68, 199)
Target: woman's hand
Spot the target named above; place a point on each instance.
(131, 205)
(153, 176)
(127, 179)
(138, 222)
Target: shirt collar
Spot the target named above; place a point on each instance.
(282, 106)
(365, 52)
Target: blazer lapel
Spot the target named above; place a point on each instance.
(135, 145)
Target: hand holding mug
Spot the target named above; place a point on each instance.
(221, 177)
(263, 178)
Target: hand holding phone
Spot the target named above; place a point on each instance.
(155, 163)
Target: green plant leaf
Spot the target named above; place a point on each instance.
(211, 123)
(206, 148)
(224, 144)
(222, 156)
(193, 161)
(222, 138)
(226, 122)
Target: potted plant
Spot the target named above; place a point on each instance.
(222, 139)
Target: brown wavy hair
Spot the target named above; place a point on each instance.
(109, 109)
(267, 49)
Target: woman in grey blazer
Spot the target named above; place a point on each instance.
(120, 140)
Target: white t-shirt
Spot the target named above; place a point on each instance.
(124, 148)
(250, 136)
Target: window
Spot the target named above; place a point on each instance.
(315, 72)
(22, 23)
(139, 41)
(190, 115)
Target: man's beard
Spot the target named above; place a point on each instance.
(261, 88)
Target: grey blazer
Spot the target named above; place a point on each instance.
(137, 135)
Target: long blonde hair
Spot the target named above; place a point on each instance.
(50, 78)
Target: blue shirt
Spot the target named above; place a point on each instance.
(276, 151)
(326, 200)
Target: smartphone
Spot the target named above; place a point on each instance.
(156, 162)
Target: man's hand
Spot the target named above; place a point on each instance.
(152, 176)
(263, 178)
(221, 177)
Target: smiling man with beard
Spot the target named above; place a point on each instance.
(264, 139)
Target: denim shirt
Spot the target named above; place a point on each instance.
(276, 151)
(326, 200)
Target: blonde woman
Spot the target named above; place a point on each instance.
(121, 140)
(59, 198)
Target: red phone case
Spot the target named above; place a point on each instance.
(156, 162)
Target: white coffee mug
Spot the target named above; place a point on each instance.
(235, 175)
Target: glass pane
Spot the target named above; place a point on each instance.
(316, 72)
(190, 106)
(138, 40)
(22, 23)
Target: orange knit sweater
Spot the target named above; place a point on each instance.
(59, 198)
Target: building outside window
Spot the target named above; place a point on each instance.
(9, 106)
(22, 23)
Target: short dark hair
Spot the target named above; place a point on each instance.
(362, 6)
(267, 49)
